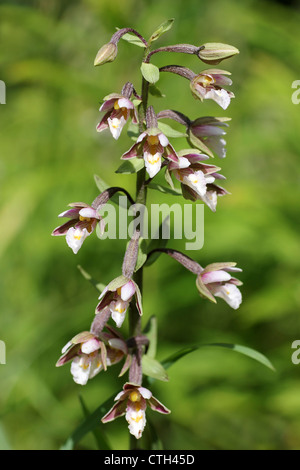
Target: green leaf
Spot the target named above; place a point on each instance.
(150, 72)
(252, 353)
(142, 254)
(163, 28)
(101, 440)
(154, 91)
(117, 282)
(100, 183)
(151, 332)
(169, 131)
(98, 285)
(90, 423)
(156, 443)
(194, 141)
(102, 186)
(154, 369)
(131, 166)
(164, 189)
(133, 39)
(133, 131)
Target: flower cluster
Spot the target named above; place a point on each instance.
(102, 346)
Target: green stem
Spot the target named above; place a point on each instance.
(141, 198)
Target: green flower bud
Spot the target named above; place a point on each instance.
(214, 52)
(107, 53)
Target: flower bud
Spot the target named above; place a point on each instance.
(214, 52)
(107, 53)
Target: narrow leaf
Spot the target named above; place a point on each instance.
(100, 183)
(169, 131)
(151, 332)
(154, 91)
(90, 423)
(142, 254)
(133, 39)
(163, 28)
(252, 353)
(98, 285)
(100, 437)
(131, 166)
(154, 369)
(164, 189)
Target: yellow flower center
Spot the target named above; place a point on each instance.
(135, 396)
(206, 80)
(153, 140)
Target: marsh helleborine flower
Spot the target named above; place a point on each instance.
(89, 356)
(152, 145)
(216, 281)
(83, 221)
(197, 178)
(207, 132)
(117, 296)
(118, 109)
(132, 402)
(209, 85)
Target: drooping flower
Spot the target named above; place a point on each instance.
(83, 221)
(90, 355)
(197, 178)
(209, 85)
(118, 109)
(117, 296)
(216, 281)
(132, 402)
(207, 134)
(152, 145)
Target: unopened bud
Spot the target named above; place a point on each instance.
(214, 52)
(107, 53)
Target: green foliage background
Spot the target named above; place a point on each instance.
(49, 154)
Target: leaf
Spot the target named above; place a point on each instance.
(199, 145)
(133, 131)
(154, 369)
(90, 423)
(131, 166)
(151, 332)
(98, 285)
(117, 282)
(252, 353)
(100, 183)
(142, 254)
(164, 189)
(102, 186)
(150, 72)
(163, 28)
(156, 443)
(154, 91)
(133, 39)
(100, 437)
(169, 131)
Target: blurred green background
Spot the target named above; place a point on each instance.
(49, 154)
